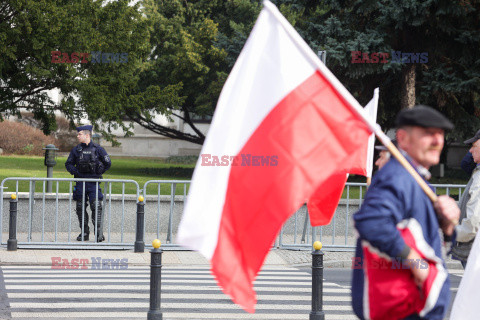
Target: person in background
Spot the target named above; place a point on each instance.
(469, 205)
(468, 164)
(384, 155)
(88, 160)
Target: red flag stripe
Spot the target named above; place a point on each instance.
(313, 133)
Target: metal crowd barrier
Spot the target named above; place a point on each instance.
(163, 219)
(339, 235)
(50, 220)
(50, 223)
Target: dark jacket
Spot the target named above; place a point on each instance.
(468, 164)
(88, 161)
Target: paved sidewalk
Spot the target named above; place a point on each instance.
(276, 257)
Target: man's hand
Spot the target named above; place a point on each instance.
(419, 271)
(448, 213)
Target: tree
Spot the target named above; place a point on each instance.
(448, 31)
(194, 46)
(181, 77)
(30, 30)
(180, 53)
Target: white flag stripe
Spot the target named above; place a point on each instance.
(241, 108)
(320, 66)
(371, 109)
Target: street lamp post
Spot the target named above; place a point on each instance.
(50, 162)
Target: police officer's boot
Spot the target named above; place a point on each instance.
(97, 216)
(86, 231)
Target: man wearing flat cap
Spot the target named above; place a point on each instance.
(88, 160)
(469, 207)
(399, 272)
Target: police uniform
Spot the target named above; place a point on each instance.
(396, 216)
(88, 161)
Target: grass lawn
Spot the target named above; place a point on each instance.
(452, 177)
(139, 169)
(142, 170)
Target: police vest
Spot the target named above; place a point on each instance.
(87, 160)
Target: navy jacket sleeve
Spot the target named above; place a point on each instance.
(104, 159)
(468, 164)
(377, 219)
(71, 162)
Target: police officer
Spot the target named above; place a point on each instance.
(88, 160)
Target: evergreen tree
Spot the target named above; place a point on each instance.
(448, 31)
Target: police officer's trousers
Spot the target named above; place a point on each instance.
(93, 196)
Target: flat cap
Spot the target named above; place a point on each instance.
(472, 140)
(422, 116)
(86, 127)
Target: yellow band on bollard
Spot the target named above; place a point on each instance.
(140, 198)
(317, 245)
(156, 243)
(13, 196)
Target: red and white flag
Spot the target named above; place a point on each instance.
(290, 127)
(324, 201)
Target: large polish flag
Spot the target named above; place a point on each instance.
(466, 306)
(292, 126)
(324, 201)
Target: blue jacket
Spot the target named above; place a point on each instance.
(468, 164)
(100, 160)
(396, 210)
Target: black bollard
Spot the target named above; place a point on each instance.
(317, 283)
(139, 241)
(155, 312)
(12, 226)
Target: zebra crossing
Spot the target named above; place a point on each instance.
(39, 292)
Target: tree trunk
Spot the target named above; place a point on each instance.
(407, 99)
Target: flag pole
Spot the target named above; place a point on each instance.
(351, 101)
